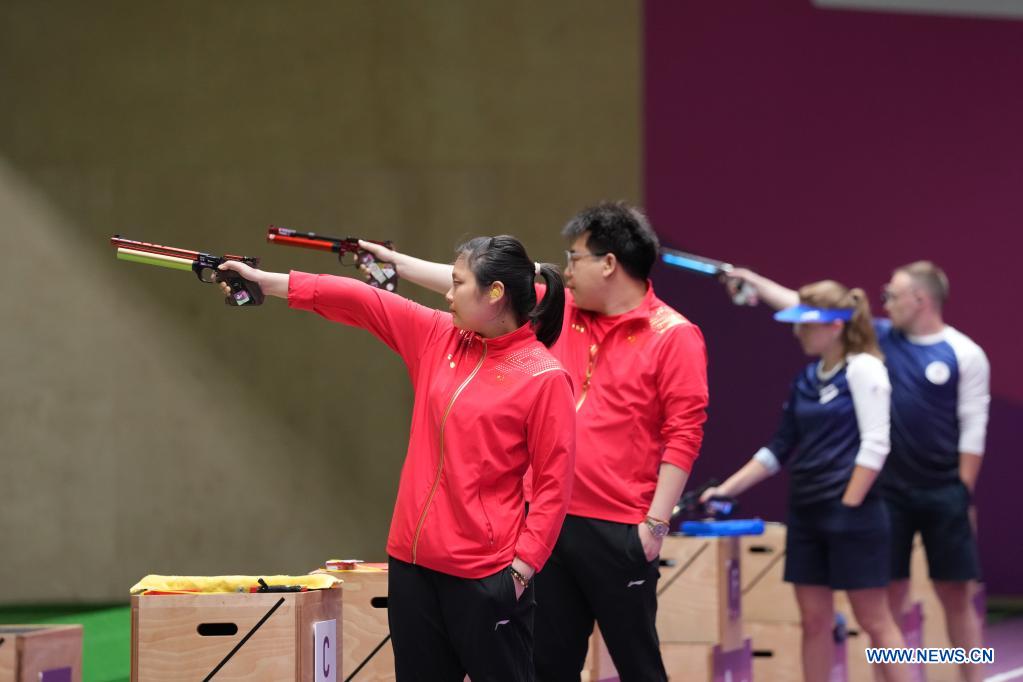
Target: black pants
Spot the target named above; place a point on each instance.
(597, 572)
(443, 627)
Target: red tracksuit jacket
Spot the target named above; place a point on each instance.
(485, 410)
(641, 392)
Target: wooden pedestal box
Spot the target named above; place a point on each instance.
(765, 596)
(698, 595)
(776, 651)
(368, 656)
(777, 654)
(707, 662)
(40, 653)
(688, 661)
(258, 636)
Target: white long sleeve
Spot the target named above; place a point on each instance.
(974, 391)
(871, 393)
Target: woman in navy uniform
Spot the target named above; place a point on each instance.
(834, 438)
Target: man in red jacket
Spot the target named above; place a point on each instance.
(639, 370)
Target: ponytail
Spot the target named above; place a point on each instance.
(504, 259)
(858, 335)
(549, 314)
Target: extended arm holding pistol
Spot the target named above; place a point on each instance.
(378, 274)
(743, 292)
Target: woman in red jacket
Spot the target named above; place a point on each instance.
(490, 400)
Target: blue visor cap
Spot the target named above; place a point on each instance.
(810, 314)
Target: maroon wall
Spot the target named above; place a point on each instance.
(809, 143)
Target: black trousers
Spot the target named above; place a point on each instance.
(444, 627)
(598, 572)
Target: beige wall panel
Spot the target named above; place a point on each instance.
(148, 428)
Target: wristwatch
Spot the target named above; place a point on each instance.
(658, 528)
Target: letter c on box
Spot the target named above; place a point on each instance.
(326, 666)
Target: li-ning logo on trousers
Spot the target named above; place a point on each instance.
(634, 583)
(500, 623)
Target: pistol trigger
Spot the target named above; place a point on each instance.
(208, 275)
(199, 271)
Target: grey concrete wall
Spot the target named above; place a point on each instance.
(144, 426)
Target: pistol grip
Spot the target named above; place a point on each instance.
(380, 275)
(243, 291)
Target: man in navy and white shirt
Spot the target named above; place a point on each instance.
(940, 403)
(939, 412)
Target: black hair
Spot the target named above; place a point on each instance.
(503, 259)
(618, 228)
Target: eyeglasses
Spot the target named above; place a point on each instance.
(888, 295)
(571, 256)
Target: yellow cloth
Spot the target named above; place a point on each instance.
(228, 583)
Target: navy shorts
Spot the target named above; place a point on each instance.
(941, 516)
(832, 545)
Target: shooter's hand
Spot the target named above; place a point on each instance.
(740, 285)
(651, 545)
(526, 571)
(272, 283)
(381, 253)
(714, 491)
(433, 276)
